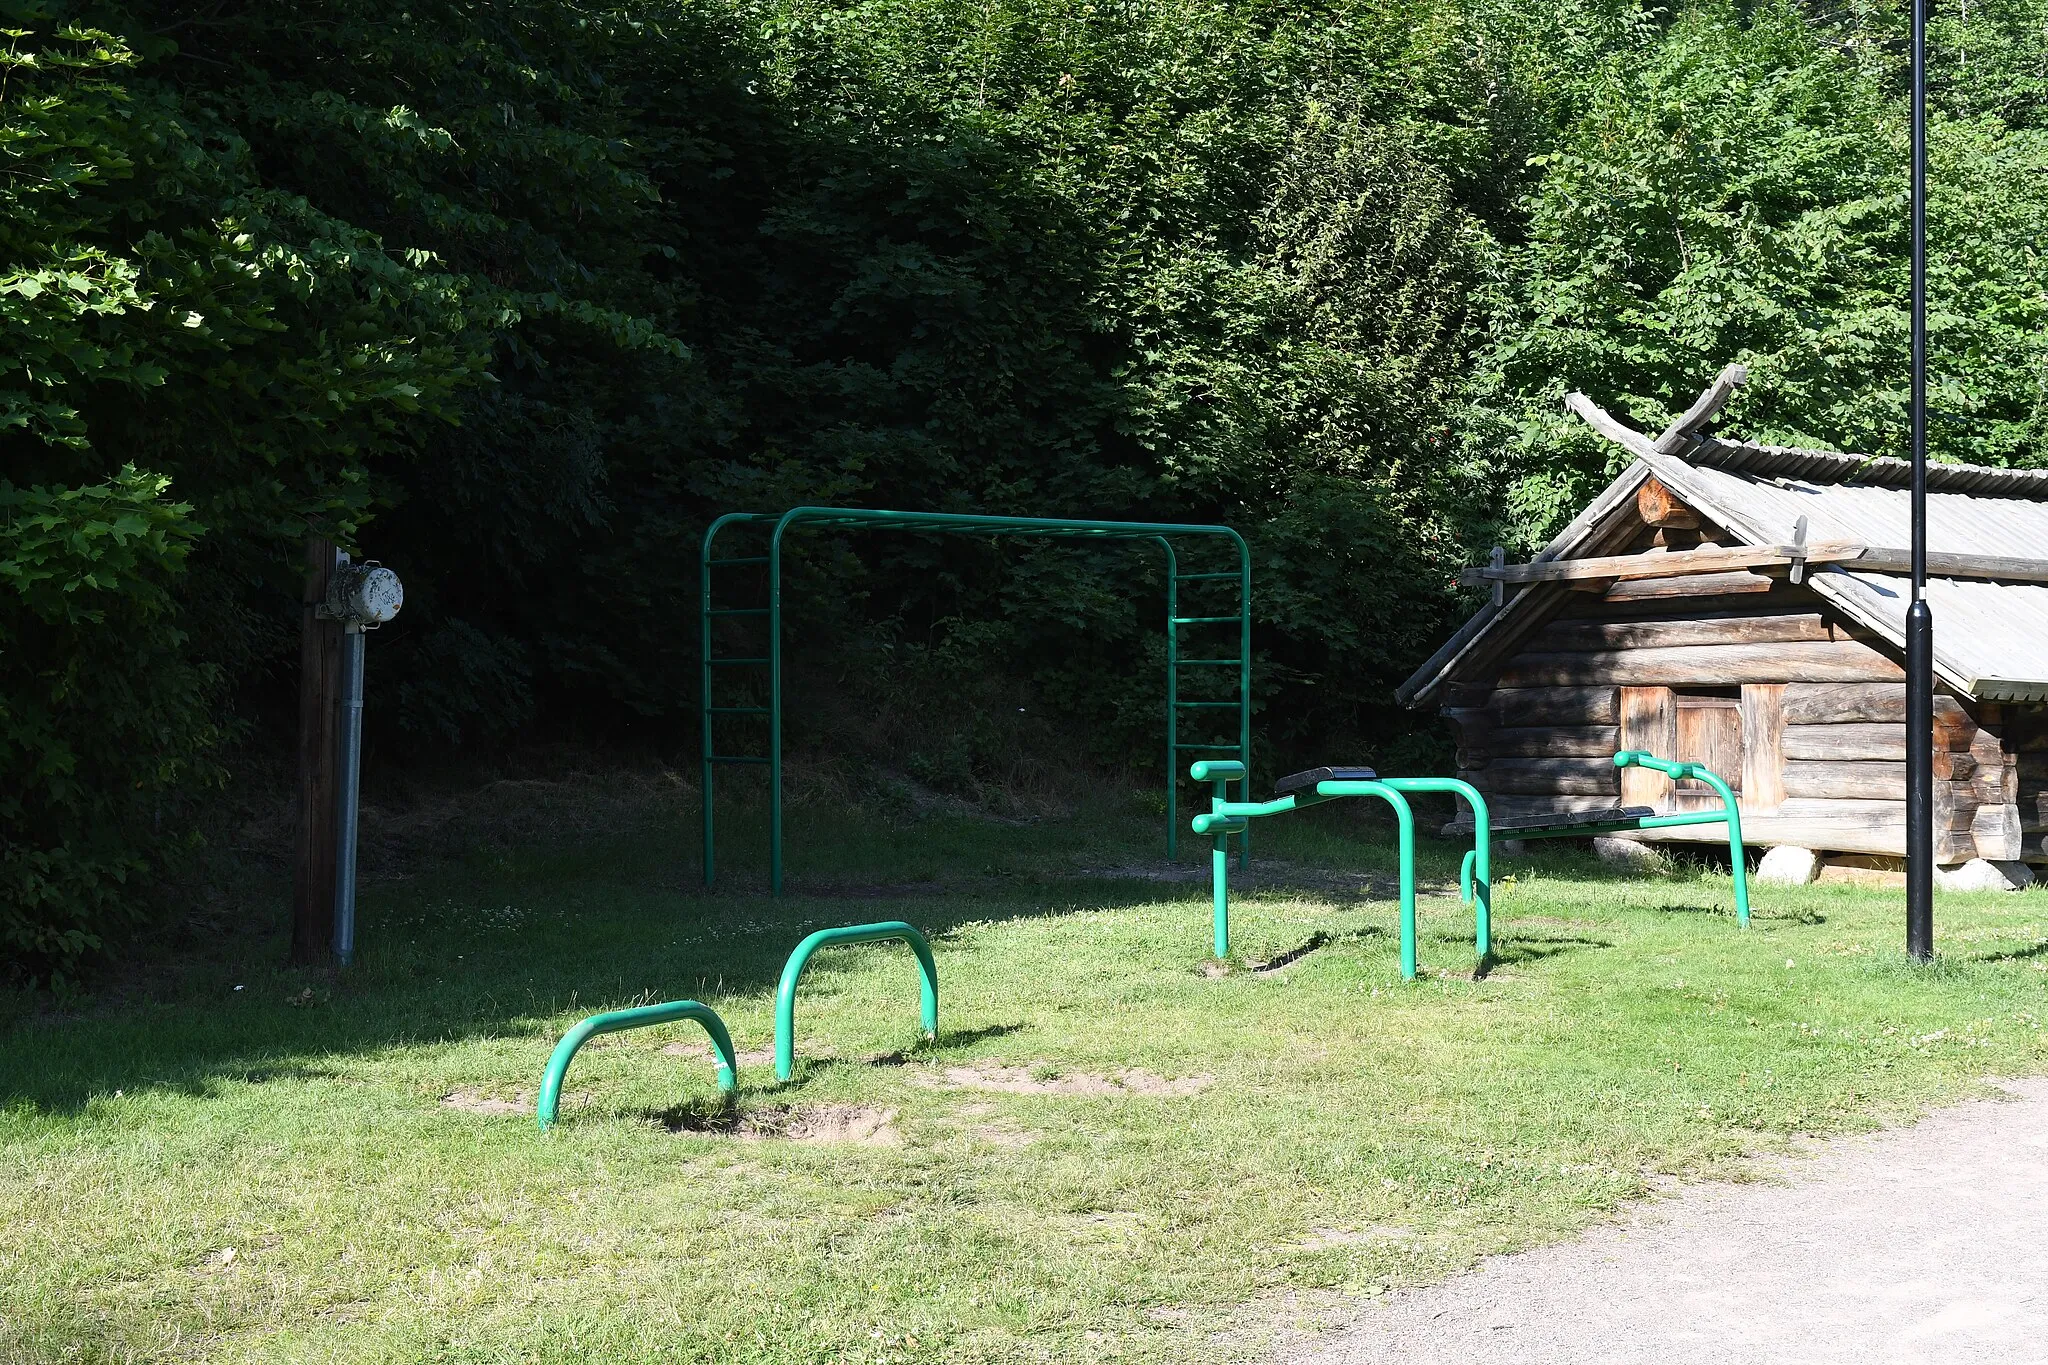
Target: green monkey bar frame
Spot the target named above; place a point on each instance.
(871, 519)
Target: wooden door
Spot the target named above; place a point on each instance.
(1709, 734)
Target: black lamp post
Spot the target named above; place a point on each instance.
(1919, 621)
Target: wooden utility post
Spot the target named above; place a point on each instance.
(319, 690)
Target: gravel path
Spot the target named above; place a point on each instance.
(1920, 1244)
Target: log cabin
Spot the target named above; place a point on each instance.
(1743, 606)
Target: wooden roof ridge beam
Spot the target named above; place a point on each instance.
(1681, 563)
(1683, 431)
(1670, 564)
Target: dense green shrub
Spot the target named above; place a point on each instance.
(104, 708)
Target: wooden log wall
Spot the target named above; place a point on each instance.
(2027, 742)
(1814, 708)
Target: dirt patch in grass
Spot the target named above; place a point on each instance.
(847, 1123)
(1042, 1079)
(470, 1102)
(760, 1056)
(1326, 1239)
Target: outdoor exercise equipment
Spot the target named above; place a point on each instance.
(1620, 820)
(1298, 791)
(1301, 790)
(792, 970)
(615, 1021)
(1234, 659)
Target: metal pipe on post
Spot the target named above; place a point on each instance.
(360, 597)
(348, 774)
(1919, 620)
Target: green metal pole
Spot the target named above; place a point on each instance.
(1221, 825)
(1172, 701)
(1219, 881)
(1244, 685)
(1479, 888)
(1730, 816)
(793, 970)
(616, 1021)
(704, 688)
(775, 706)
(1404, 819)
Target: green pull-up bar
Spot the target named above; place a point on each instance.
(1234, 659)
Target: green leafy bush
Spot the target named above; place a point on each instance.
(105, 713)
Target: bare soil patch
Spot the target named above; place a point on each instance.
(471, 1102)
(832, 1123)
(1042, 1079)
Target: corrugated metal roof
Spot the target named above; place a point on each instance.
(1876, 471)
(1990, 638)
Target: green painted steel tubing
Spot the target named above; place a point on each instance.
(1223, 814)
(1478, 889)
(616, 1021)
(852, 518)
(1404, 819)
(1678, 772)
(793, 970)
(1222, 772)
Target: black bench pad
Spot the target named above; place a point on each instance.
(1546, 821)
(1295, 782)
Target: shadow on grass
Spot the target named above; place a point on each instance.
(1520, 950)
(504, 946)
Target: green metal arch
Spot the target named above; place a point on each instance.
(616, 1021)
(793, 970)
(858, 518)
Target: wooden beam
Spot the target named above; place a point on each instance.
(1520, 706)
(1817, 702)
(1847, 555)
(1998, 567)
(315, 833)
(1704, 665)
(1854, 780)
(1662, 564)
(1541, 741)
(1649, 721)
(1692, 585)
(1562, 776)
(1685, 428)
(1566, 636)
(1872, 740)
(1659, 506)
(1763, 733)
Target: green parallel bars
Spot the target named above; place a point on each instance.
(615, 1021)
(1729, 814)
(857, 518)
(1227, 817)
(793, 970)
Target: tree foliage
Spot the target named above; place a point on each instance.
(521, 293)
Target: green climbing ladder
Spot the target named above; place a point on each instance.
(1207, 611)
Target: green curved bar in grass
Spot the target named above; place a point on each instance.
(793, 970)
(616, 1021)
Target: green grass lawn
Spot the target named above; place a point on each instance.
(1110, 1154)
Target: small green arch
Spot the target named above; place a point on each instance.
(616, 1021)
(792, 970)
